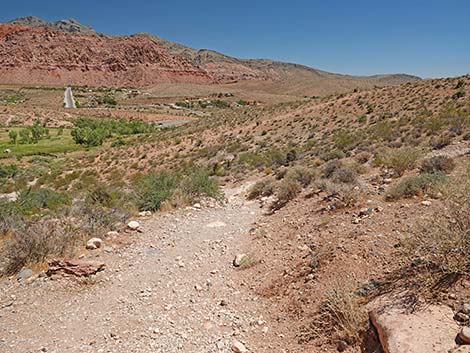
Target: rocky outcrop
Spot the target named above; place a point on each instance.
(71, 25)
(431, 330)
(40, 55)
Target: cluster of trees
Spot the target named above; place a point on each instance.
(29, 135)
(92, 132)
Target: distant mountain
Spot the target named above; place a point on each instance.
(35, 51)
(70, 25)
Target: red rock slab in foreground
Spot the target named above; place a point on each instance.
(79, 268)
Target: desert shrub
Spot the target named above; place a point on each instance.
(415, 185)
(102, 208)
(442, 242)
(11, 216)
(342, 313)
(333, 154)
(286, 190)
(401, 159)
(441, 141)
(197, 182)
(331, 167)
(33, 201)
(155, 188)
(264, 187)
(301, 174)
(437, 164)
(363, 157)
(344, 140)
(345, 175)
(39, 241)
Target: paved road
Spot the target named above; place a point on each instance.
(68, 98)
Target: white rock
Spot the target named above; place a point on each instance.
(133, 225)
(145, 214)
(426, 203)
(94, 243)
(239, 347)
(217, 224)
(112, 234)
(237, 262)
(197, 206)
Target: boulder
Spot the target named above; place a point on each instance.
(431, 330)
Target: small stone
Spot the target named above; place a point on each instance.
(197, 206)
(133, 225)
(239, 347)
(145, 214)
(461, 317)
(466, 308)
(24, 274)
(355, 220)
(237, 262)
(94, 243)
(223, 302)
(366, 212)
(342, 346)
(426, 203)
(112, 234)
(465, 334)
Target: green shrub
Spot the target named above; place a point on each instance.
(415, 185)
(155, 188)
(198, 183)
(32, 201)
(13, 135)
(8, 171)
(401, 159)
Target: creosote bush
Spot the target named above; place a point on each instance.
(416, 185)
(155, 188)
(399, 160)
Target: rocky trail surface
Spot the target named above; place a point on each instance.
(173, 288)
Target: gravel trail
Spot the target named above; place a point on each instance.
(173, 289)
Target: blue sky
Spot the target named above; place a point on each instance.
(429, 38)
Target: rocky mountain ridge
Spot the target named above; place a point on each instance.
(34, 51)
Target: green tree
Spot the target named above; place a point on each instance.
(13, 136)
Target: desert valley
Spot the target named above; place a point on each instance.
(160, 198)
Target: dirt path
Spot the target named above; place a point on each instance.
(174, 289)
